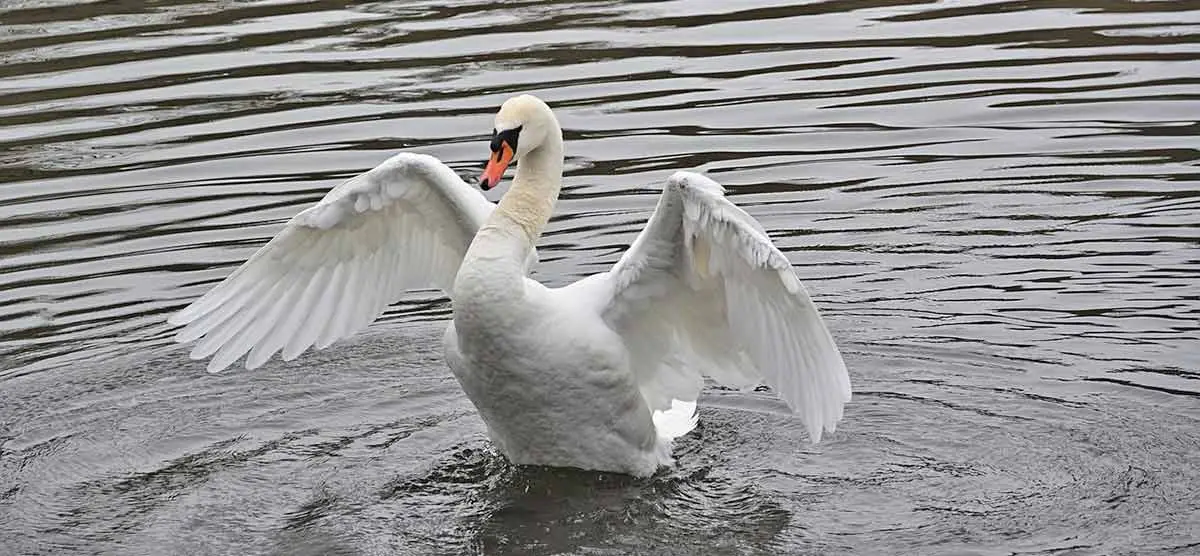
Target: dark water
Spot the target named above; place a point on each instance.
(994, 202)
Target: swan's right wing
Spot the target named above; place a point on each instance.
(336, 266)
(704, 292)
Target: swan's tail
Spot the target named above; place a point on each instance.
(676, 421)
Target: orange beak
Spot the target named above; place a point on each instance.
(496, 167)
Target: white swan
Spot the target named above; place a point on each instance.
(600, 374)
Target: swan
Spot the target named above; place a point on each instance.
(601, 374)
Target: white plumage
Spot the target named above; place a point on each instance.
(600, 374)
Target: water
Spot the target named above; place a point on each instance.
(995, 204)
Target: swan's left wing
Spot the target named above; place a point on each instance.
(703, 292)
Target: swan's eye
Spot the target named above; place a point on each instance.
(507, 136)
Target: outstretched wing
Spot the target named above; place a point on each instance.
(336, 266)
(703, 292)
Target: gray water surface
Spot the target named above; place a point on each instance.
(994, 203)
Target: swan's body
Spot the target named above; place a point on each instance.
(600, 374)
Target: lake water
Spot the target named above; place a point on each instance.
(995, 204)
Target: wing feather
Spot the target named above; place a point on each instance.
(274, 336)
(248, 340)
(309, 317)
(704, 291)
(224, 339)
(336, 266)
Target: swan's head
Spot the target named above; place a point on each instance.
(522, 125)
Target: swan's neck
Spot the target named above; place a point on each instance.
(530, 201)
(496, 263)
